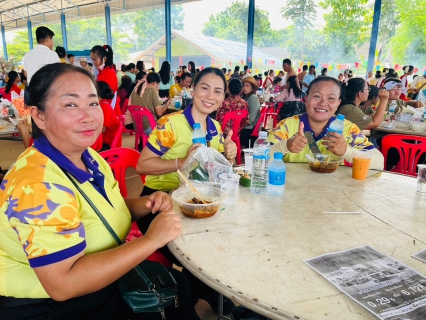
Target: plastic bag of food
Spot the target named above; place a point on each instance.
(205, 164)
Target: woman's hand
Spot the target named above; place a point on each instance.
(335, 143)
(383, 94)
(164, 228)
(230, 147)
(297, 142)
(159, 201)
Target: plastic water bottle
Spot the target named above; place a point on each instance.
(337, 125)
(276, 175)
(198, 136)
(259, 177)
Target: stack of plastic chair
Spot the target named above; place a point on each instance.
(119, 160)
(410, 149)
(138, 113)
(238, 118)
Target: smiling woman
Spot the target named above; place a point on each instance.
(48, 231)
(170, 144)
(323, 98)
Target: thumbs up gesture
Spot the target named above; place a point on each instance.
(297, 142)
(230, 147)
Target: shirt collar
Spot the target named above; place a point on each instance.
(211, 128)
(304, 118)
(43, 145)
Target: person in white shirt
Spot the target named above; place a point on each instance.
(42, 53)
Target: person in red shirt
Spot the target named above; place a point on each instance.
(11, 85)
(102, 58)
(111, 121)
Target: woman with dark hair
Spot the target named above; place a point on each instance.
(276, 86)
(192, 70)
(140, 66)
(323, 72)
(249, 94)
(232, 103)
(380, 82)
(373, 99)
(146, 95)
(12, 85)
(323, 98)
(269, 80)
(166, 80)
(103, 60)
(111, 121)
(376, 78)
(124, 90)
(170, 144)
(408, 71)
(55, 233)
(292, 92)
(61, 54)
(354, 92)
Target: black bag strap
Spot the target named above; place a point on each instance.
(148, 282)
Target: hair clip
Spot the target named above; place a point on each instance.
(105, 47)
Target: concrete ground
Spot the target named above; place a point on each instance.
(10, 150)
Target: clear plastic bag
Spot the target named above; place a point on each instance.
(204, 165)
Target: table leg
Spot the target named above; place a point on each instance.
(220, 315)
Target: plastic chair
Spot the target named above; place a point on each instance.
(259, 125)
(119, 160)
(410, 149)
(238, 118)
(138, 113)
(116, 143)
(271, 112)
(123, 112)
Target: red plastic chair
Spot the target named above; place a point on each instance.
(238, 118)
(410, 149)
(116, 143)
(138, 113)
(123, 112)
(271, 112)
(259, 125)
(119, 160)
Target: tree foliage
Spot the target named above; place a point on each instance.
(302, 13)
(347, 25)
(231, 24)
(409, 42)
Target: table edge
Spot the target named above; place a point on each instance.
(235, 295)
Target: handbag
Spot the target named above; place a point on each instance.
(149, 287)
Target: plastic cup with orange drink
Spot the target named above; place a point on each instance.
(361, 163)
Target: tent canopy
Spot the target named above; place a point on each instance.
(15, 13)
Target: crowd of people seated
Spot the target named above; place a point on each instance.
(57, 258)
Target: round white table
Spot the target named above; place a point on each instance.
(253, 251)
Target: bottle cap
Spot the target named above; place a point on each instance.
(197, 126)
(340, 117)
(263, 134)
(278, 155)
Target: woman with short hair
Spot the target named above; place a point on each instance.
(354, 92)
(249, 95)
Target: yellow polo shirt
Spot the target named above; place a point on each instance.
(172, 138)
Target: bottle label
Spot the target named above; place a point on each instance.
(276, 178)
(201, 140)
(263, 156)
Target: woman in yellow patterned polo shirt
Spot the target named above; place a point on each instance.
(57, 259)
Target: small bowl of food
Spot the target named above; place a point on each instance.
(192, 206)
(323, 163)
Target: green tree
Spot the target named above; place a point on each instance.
(409, 42)
(149, 25)
(302, 13)
(347, 25)
(231, 24)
